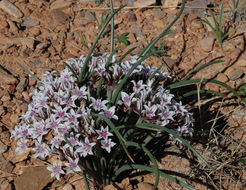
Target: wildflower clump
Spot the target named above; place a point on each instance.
(63, 117)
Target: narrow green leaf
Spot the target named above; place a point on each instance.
(204, 80)
(202, 91)
(112, 28)
(228, 33)
(84, 68)
(146, 168)
(151, 157)
(201, 67)
(125, 54)
(221, 17)
(164, 33)
(123, 81)
(73, 71)
(151, 125)
(28, 72)
(119, 136)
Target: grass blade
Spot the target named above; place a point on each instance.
(84, 68)
(202, 67)
(125, 54)
(204, 80)
(72, 70)
(149, 169)
(151, 157)
(119, 136)
(151, 125)
(28, 72)
(165, 32)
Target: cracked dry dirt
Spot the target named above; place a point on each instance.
(42, 34)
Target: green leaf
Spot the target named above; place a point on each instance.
(154, 126)
(148, 153)
(119, 136)
(146, 168)
(28, 72)
(204, 80)
(202, 67)
(202, 91)
(85, 65)
(72, 70)
(125, 54)
(164, 33)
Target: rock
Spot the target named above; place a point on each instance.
(68, 187)
(11, 8)
(6, 98)
(35, 63)
(2, 110)
(15, 157)
(142, 4)
(25, 41)
(145, 186)
(228, 46)
(236, 74)
(59, 16)
(42, 46)
(32, 81)
(6, 78)
(5, 165)
(3, 148)
(12, 26)
(26, 96)
(130, 2)
(206, 44)
(33, 178)
(5, 185)
(171, 3)
(131, 16)
(60, 4)
(159, 13)
(14, 118)
(22, 84)
(195, 24)
(241, 63)
(4, 24)
(35, 31)
(159, 23)
(195, 10)
(29, 22)
(109, 187)
(222, 77)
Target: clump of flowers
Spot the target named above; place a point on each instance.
(63, 116)
(101, 115)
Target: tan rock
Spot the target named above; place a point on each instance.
(68, 187)
(33, 178)
(241, 63)
(171, 3)
(28, 41)
(141, 3)
(159, 23)
(109, 187)
(60, 4)
(5, 185)
(10, 8)
(6, 98)
(206, 44)
(222, 77)
(6, 78)
(14, 118)
(145, 186)
(16, 156)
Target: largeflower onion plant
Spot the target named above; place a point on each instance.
(100, 112)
